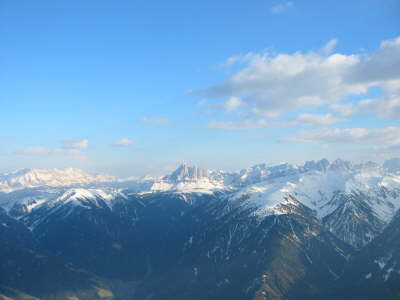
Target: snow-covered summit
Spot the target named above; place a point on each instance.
(262, 172)
(363, 197)
(30, 178)
(188, 179)
(184, 179)
(338, 193)
(188, 173)
(80, 196)
(316, 189)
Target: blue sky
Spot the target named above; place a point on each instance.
(135, 87)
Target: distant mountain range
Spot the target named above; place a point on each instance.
(321, 230)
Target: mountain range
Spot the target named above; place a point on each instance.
(320, 230)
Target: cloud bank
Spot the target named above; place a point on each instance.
(274, 85)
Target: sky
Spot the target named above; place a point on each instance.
(135, 87)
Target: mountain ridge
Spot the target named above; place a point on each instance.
(31, 178)
(266, 232)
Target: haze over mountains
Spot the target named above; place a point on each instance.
(321, 230)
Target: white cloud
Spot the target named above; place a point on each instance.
(386, 107)
(280, 8)
(379, 67)
(239, 125)
(156, 121)
(318, 119)
(124, 142)
(329, 46)
(346, 109)
(73, 144)
(274, 85)
(239, 59)
(256, 123)
(306, 119)
(232, 104)
(392, 86)
(387, 136)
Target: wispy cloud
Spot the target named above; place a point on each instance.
(280, 8)
(317, 119)
(239, 125)
(34, 150)
(233, 103)
(387, 107)
(257, 137)
(124, 142)
(345, 109)
(201, 102)
(156, 121)
(74, 144)
(388, 136)
(329, 46)
(302, 120)
(44, 151)
(70, 148)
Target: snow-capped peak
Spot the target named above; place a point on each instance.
(336, 192)
(30, 178)
(340, 164)
(187, 173)
(187, 179)
(77, 196)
